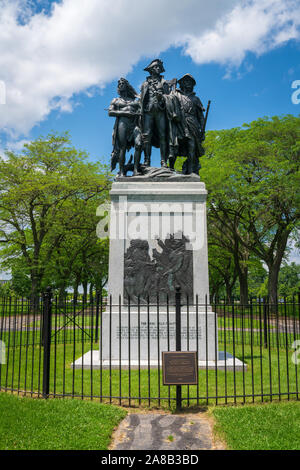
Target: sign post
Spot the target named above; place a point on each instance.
(178, 339)
(179, 367)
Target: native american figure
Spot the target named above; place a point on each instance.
(127, 131)
(139, 271)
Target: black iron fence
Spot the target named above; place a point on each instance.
(99, 348)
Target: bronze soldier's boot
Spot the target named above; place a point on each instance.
(171, 162)
(147, 160)
(189, 165)
(172, 156)
(163, 153)
(147, 149)
(122, 167)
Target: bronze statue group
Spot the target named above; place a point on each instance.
(164, 116)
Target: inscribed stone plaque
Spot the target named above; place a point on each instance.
(180, 368)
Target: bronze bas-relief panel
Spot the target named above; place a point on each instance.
(157, 276)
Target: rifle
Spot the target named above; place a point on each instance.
(205, 119)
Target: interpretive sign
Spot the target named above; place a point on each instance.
(180, 368)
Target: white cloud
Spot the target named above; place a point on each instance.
(14, 145)
(256, 26)
(46, 58)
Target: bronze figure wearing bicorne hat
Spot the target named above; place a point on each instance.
(153, 110)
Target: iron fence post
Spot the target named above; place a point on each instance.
(178, 339)
(47, 298)
(265, 323)
(97, 316)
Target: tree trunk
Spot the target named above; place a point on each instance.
(274, 264)
(85, 290)
(61, 297)
(213, 293)
(229, 288)
(75, 289)
(273, 286)
(242, 272)
(35, 294)
(243, 279)
(91, 291)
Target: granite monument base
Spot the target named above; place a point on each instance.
(150, 335)
(92, 359)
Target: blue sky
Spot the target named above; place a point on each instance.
(260, 87)
(60, 62)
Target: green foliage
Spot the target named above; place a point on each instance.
(20, 283)
(222, 271)
(5, 289)
(258, 277)
(289, 279)
(49, 196)
(252, 177)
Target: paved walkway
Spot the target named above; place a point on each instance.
(153, 431)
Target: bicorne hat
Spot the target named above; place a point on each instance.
(154, 62)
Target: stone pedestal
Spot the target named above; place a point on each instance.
(152, 333)
(158, 241)
(152, 212)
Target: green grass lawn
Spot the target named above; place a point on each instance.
(269, 372)
(64, 424)
(272, 426)
(34, 424)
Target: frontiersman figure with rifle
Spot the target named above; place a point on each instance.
(187, 121)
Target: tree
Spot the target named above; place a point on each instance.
(222, 270)
(252, 177)
(20, 282)
(235, 255)
(258, 277)
(5, 288)
(289, 279)
(43, 195)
